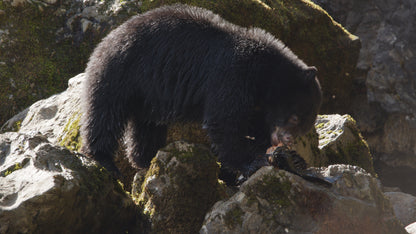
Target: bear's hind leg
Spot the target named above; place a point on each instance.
(143, 140)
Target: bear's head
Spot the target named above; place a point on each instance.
(292, 104)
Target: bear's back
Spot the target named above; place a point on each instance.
(173, 55)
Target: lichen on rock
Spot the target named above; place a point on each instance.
(71, 136)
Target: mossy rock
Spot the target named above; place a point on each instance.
(307, 147)
(71, 138)
(179, 188)
(335, 139)
(191, 132)
(341, 142)
(305, 28)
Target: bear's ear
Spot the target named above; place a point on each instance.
(310, 73)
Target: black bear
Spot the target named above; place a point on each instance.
(184, 63)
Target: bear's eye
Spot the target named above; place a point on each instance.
(294, 119)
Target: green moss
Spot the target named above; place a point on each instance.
(187, 156)
(274, 189)
(97, 181)
(348, 149)
(320, 125)
(16, 126)
(317, 155)
(71, 136)
(234, 217)
(353, 153)
(351, 119)
(36, 66)
(15, 167)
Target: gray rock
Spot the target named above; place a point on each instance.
(50, 116)
(274, 201)
(56, 117)
(404, 206)
(386, 31)
(47, 189)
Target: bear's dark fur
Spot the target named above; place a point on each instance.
(182, 63)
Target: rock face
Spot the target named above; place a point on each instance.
(47, 189)
(386, 72)
(387, 56)
(180, 187)
(274, 201)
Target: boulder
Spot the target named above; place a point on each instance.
(56, 117)
(275, 201)
(179, 188)
(341, 142)
(404, 206)
(336, 140)
(45, 188)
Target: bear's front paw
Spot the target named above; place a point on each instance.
(259, 162)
